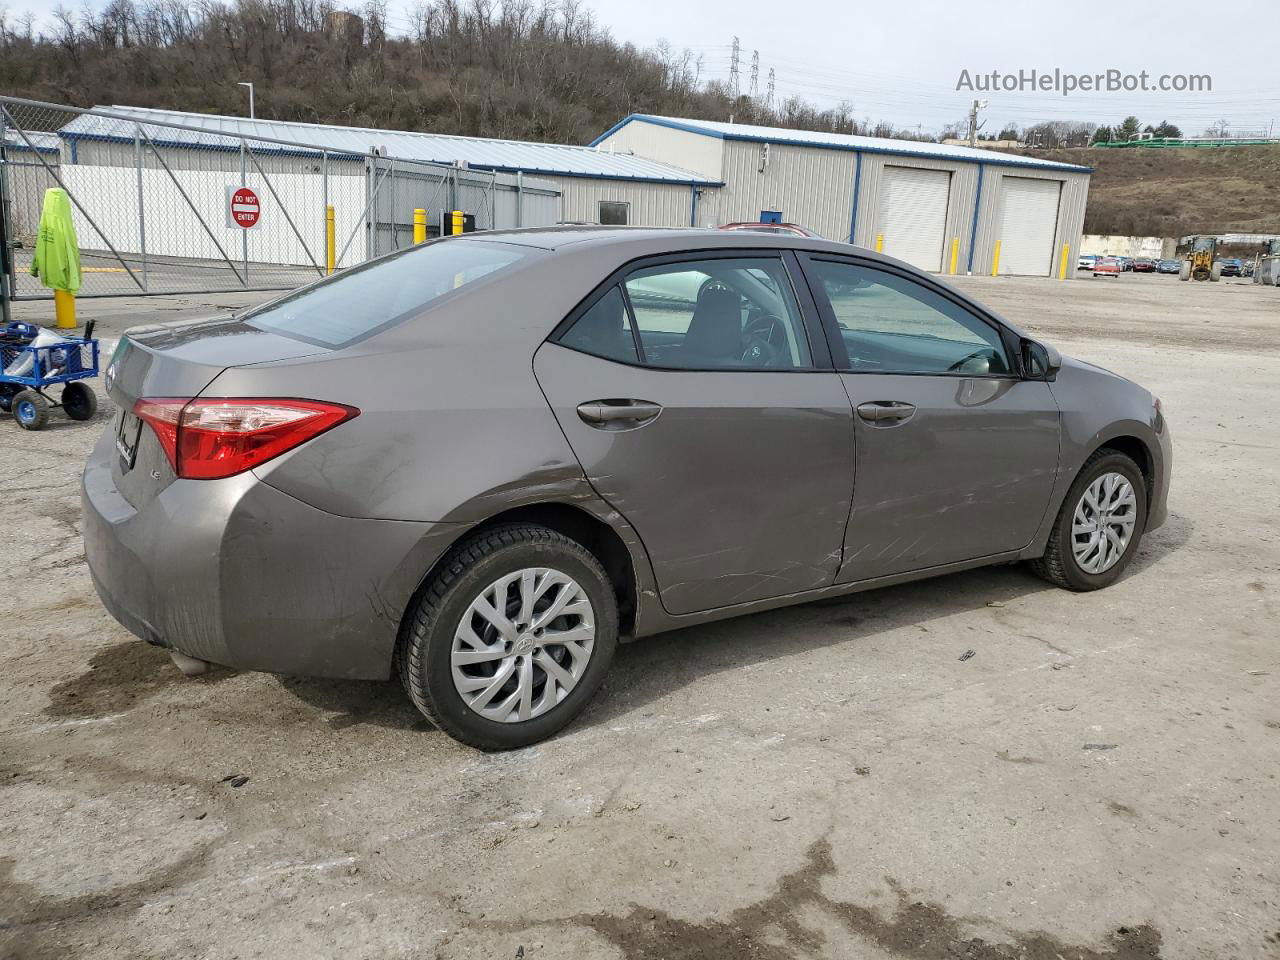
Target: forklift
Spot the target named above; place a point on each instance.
(1200, 262)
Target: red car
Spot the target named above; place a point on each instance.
(1144, 265)
(1107, 267)
(789, 229)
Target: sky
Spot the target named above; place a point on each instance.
(901, 62)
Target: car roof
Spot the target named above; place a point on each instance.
(657, 240)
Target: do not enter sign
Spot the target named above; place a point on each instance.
(242, 207)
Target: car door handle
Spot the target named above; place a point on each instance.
(621, 412)
(885, 411)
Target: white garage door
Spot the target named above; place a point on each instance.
(1027, 225)
(912, 214)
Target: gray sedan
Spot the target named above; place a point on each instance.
(480, 462)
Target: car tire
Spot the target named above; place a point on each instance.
(79, 402)
(469, 576)
(1062, 563)
(30, 410)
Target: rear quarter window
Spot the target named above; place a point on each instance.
(374, 296)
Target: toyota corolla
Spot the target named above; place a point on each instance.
(478, 463)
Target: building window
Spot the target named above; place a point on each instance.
(614, 213)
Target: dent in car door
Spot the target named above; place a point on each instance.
(967, 474)
(739, 486)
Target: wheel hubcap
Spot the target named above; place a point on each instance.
(1102, 525)
(523, 644)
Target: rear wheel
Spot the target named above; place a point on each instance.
(1099, 527)
(79, 401)
(30, 410)
(511, 637)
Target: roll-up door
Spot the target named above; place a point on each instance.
(1028, 222)
(912, 214)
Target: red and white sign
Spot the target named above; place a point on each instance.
(242, 207)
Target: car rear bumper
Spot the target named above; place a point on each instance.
(239, 573)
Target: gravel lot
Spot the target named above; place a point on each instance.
(1097, 781)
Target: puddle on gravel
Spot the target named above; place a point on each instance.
(118, 678)
(771, 929)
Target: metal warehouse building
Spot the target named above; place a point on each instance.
(943, 208)
(595, 185)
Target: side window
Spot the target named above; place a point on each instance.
(614, 213)
(604, 330)
(719, 314)
(890, 324)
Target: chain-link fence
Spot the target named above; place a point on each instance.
(163, 207)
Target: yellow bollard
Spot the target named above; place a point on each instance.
(1066, 250)
(419, 226)
(879, 243)
(330, 242)
(995, 261)
(458, 222)
(64, 309)
(955, 253)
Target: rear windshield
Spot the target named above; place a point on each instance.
(364, 300)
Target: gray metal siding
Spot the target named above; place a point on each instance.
(813, 188)
(1071, 207)
(652, 204)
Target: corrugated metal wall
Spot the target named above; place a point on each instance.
(689, 151)
(652, 204)
(810, 187)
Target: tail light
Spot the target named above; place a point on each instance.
(206, 439)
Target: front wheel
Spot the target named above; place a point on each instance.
(1099, 527)
(511, 637)
(30, 410)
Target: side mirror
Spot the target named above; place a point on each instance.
(1040, 361)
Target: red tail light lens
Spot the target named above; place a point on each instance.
(206, 439)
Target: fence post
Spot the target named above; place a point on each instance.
(419, 226)
(330, 241)
(142, 213)
(324, 190)
(244, 234)
(6, 259)
(519, 198)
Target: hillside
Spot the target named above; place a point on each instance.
(1171, 193)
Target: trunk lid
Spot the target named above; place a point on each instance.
(176, 360)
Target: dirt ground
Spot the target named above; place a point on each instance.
(830, 781)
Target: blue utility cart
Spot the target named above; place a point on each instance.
(27, 371)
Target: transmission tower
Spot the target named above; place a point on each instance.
(733, 70)
(768, 97)
(753, 90)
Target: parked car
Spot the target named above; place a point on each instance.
(784, 229)
(1086, 261)
(1169, 266)
(1108, 267)
(478, 463)
(1232, 267)
(1126, 263)
(1144, 265)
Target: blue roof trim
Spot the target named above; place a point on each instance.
(848, 148)
(594, 176)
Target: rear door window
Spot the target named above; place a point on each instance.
(367, 299)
